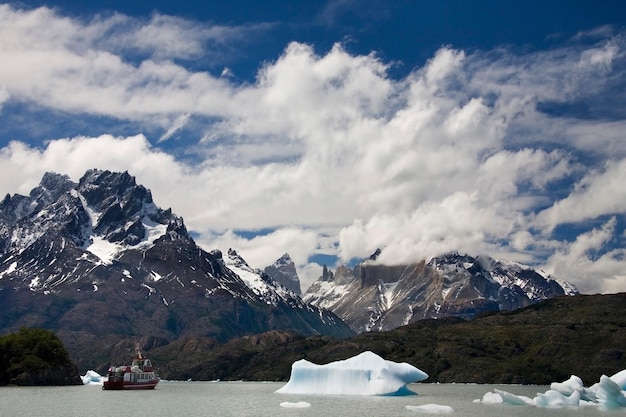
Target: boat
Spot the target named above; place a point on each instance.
(138, 375)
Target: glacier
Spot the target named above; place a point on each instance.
(608, 393)
(364, 374)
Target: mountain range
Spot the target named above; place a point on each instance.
(375, 297)
(100, 264)
(98, 260)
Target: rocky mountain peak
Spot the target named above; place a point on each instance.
(237, 260)
(284, 260)
(284, 272)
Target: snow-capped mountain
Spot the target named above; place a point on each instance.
(374, 297)
(98, 257)
(283, 271)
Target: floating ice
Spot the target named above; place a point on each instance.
(511, 399)
(430, 408)
(299, 404)
(608, 393)
(556, 399)
(620, 379)
(491, 398)
(364, 374)
(92, 378)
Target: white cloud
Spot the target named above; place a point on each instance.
(576, 262)
(178, 124)
(75, 156)
(328, 150)
(264, 250)
(598, 193)
(4, 96)
(76, 66)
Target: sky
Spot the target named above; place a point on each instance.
(328, 129)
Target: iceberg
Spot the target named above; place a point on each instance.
(608, 393)
(92, 378)
(364, 374)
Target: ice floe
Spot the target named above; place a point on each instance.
(430, 408)
(608, 393)
(299, 404)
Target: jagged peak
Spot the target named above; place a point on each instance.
(53, 180)
(237, 259)
(375, 255)
(284, 260)
(51, 187)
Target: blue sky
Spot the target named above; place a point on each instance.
(327, 129)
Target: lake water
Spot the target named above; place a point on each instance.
(190, 399)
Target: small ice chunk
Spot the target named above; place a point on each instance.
(512, 399)
(430, 408)
(299, 404)
(491, 398)
(574, 383)
(555, 399)
(607, 393)
(92, 378)
(610, 394)
(364, 374)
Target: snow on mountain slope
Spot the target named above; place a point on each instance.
(102, 245)
(379, 297)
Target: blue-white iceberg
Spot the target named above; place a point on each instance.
(608, 393)
(364, 374)
(92, 378)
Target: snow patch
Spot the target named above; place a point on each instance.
(103, 249)
(9, 270)
(34, 283)
(155, 276)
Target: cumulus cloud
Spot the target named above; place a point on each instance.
(79, 67)
(76, 155)
(328, 151)
(580, 262)
(598, 193)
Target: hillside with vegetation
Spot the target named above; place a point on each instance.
(583, 335)
(33, 356)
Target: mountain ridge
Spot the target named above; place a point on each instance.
(98, 257)
(373, 297)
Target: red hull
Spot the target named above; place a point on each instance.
(126, 385)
